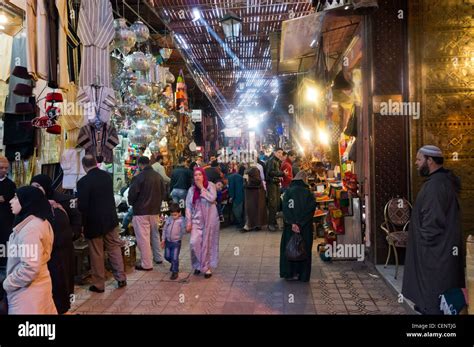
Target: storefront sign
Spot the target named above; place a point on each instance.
(232, 132)
(196, 116)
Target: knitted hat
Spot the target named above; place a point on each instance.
(431, 151)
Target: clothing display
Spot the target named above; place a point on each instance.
(18, 136)
(97, 101)
(62, 62)
(73, 41)
(50, 148)
(99, 141)
(18, 57)
(96, 31)
(72, 167)
(42, 40)
(6, 42)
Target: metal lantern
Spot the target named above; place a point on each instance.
(143, 89)
(124, 38)
(139, 62)
(141, 31)
(166, 53)
(232, 25)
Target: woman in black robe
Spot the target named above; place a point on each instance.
(254, 204)
(61, 264)
(298, 210)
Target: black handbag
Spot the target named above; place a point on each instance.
(295, 249)
(351, 128)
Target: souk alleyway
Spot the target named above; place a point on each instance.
(246, 282)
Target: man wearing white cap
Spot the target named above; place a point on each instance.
(434, 257)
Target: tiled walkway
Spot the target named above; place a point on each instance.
(246, 282)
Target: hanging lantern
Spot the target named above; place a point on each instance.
(143, 89)
(141, 31)
(166, 53)
(139, 62)
(124, 38)
(232, 25)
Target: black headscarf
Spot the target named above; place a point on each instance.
(46, 182)
(33, 202)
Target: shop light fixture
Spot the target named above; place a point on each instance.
(232, 25)
(3, 19)
(323, 137)
(312, 94)
(306, 134)
(196, 14)
(2, 27)
(312, 43)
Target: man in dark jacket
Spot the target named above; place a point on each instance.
(434, 261)
(181, 180)
(236, 195)
(95, 195)
(145, 196)
(213, 173)
(273, 178)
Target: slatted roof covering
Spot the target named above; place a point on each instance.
(234, 75)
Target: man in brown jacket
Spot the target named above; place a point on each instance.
(145, 196)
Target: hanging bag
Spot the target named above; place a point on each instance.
(351, 128)
(295, 249)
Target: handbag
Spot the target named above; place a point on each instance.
(351, 128)
(295, 249)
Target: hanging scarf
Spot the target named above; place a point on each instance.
(197, 191)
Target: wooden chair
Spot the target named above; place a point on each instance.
(397, 213)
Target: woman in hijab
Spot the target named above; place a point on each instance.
(298, 210)
(61, 264)
(28, 283)
(203, 224)
(255, 205)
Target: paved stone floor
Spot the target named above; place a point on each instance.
(246, 282)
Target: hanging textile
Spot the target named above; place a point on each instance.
(31, 35)
(73, 48)
(6, 42)
(18, 58)
(63, 74)
(72, 167)
(96, 31)
(99, 141)
(97, 102)
(42, 41)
